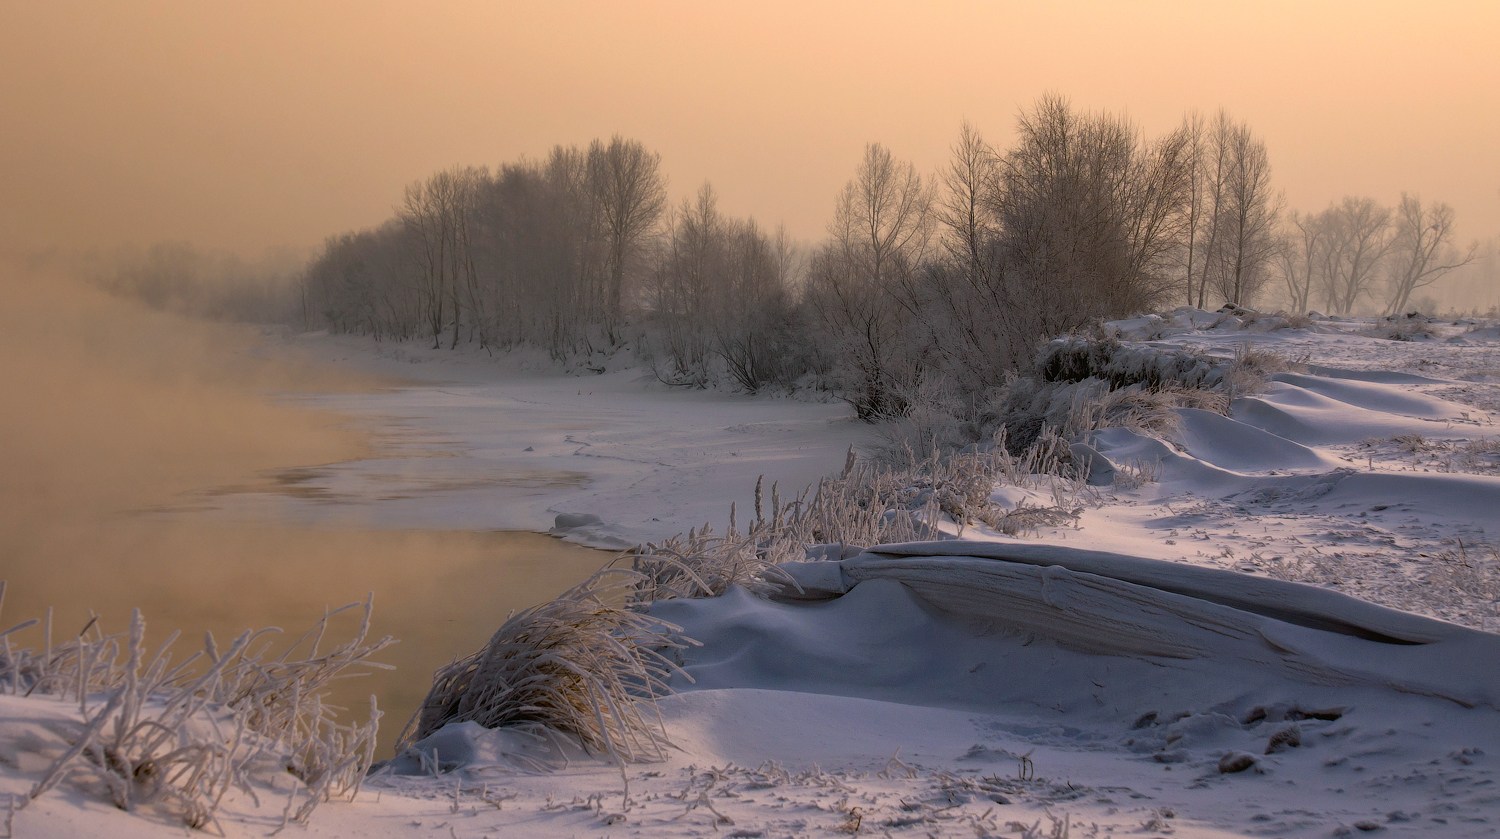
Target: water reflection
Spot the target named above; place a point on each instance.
(441, 594)
(144, 464)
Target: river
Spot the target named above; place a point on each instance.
(223, 478)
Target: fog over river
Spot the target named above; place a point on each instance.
(223, 478)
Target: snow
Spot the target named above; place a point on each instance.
(1287, 628)
(611, 460)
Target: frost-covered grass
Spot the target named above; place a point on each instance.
(176, 737)
(580, 668)
(1478, 455)
(871, 502)
(1402, 329)
(914, 701)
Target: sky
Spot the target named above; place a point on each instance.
(252, 126)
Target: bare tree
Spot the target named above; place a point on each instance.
(1421, 249)
(1358, 233)
(1083, 219)
(631, 195)
(1208, 160)
(1246, 215)
(1297, 256)
(965, 207)
(1087, 211)
(1154, 194)
(880, 235)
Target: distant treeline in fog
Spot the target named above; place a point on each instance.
(184, 279)
(950, 278)
(943, 282)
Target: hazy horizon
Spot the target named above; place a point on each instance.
(257, 126)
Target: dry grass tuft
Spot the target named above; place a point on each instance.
(1252, 368)
(1401, 329)
(577, 667)
(178, 737)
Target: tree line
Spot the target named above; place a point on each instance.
(943, 283)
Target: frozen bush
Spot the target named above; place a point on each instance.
(178, 737)
(578, 668)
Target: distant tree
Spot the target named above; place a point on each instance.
(1358, 238)
(1297, 256)
(879, 237)
(691, 271)
(754, 324)
(1421, 250)
(631, 195)
(437, 212)
(1088, 210)
(361, 283)
(1247, 216)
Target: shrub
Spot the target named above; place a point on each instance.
(577, 667)
(179, 737)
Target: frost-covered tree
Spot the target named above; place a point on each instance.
(631, 195)
(1358, 238)
(1298, 253)
(879, 237)
(1421, 250)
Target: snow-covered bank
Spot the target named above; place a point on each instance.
(476, 443)
(1184, 660)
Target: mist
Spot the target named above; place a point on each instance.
(124, 427)
(269, 124)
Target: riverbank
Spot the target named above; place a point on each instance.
(509, 443)
(1203, 672)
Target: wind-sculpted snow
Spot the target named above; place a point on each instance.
(1293, 603)
(1259, 629)
(993, 602)
(1235, 635)
(1229, 444)
(1315, 418)
(1373, 396)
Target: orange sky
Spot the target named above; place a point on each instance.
(255, 124)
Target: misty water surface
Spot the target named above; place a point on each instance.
(130, 444)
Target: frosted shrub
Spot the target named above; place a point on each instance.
(1080, 385)
(1402, 329)
(578, 668)
(701, 564)
(1251, 368)
(1076, 358)
(178, 737)
(1296, 321)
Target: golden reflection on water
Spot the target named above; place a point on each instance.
(110, 413)
(440, 594)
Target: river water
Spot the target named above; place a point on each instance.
(137, 452)
(440, 594)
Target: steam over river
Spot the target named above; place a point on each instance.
(145, 463)
(221, 478)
